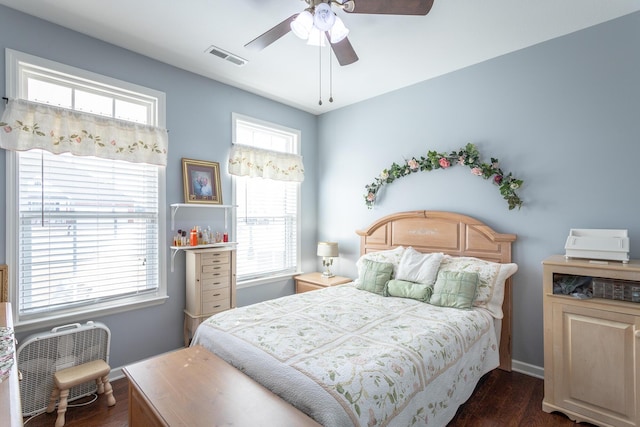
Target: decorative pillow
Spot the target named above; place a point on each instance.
(374, 276)
(418, 267)
(491, 275)
(391, 256)
(404, 289)
(454, 289)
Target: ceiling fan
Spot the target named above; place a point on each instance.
(320, 19)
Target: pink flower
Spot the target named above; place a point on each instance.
(461, 160)
(371, 197)
(413, 164)
(113, 142)
(444, 163)
(497, 179)
(476, 171)
(7, 129)
(78, 140)
(397, 369)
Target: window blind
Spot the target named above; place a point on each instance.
(88, 231)
(266, 227)
(267, 218)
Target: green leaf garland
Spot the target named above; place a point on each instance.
(467, 156)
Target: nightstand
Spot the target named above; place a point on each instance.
(314, 281)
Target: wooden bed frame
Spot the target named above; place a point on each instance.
(450, 233)
(425, 231)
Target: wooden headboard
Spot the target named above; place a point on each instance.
(450, 233)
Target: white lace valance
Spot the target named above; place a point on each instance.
(255, 162)
(26, 125)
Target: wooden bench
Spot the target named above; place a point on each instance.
(194, 387)
(65, 379)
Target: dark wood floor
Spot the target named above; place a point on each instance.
(501, 399)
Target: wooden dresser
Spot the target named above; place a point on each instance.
(210, 285)
(10, 406)
(194, 387)
(592, 346)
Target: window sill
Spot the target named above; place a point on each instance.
(265, 280)
(58, 319)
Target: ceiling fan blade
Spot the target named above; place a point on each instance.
(272, 35)
(385, 7)
(344, 51)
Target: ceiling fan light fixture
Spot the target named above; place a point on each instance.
(316, 37)
(338, 32)
(301, 26)
(323, 17)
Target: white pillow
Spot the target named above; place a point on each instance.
(491, 275)
(391, 256)
(418, 267)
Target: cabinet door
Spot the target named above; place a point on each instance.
(595, 361)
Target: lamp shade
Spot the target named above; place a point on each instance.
(316, 37)
(301, 26)
(328, 249)
(323, 17)
(338, 32)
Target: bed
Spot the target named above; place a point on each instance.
(359, 354)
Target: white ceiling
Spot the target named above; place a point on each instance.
(394, 51)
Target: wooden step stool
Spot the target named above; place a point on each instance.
(65, 379)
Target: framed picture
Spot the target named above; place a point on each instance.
(201, 182)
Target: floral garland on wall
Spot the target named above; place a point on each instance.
(467, 156)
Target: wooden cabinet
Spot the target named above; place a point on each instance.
(194, 387)
(313, 281)
(210, 285)
(592, 346)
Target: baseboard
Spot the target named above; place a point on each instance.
(527, 369)
(116, 374)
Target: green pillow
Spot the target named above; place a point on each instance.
(374, 276)
(404, 289)
(454, 289)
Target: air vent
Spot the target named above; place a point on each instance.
(220, 53)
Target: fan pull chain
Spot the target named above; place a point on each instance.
(330, 76)
(319, 74)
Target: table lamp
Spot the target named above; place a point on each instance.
(328, 251)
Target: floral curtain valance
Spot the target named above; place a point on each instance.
(27, 125)
(255, 162)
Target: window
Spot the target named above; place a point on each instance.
(85, 234)
(267, 221)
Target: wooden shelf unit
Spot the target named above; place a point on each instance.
(591, 347)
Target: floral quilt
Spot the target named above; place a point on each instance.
(348, 357)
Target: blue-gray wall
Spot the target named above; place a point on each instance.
(199, 122)
(563, 115)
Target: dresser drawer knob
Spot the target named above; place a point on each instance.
(637, 333)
